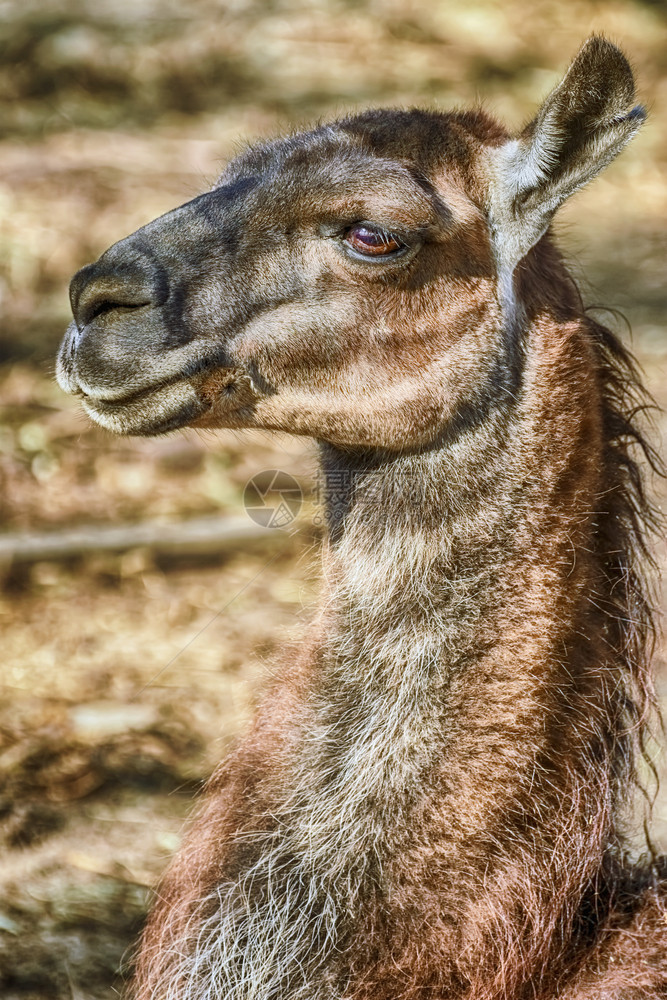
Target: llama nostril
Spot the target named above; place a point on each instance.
(103, 307)
(96, 290)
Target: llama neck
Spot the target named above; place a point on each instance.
(459, 708)
(437, 577)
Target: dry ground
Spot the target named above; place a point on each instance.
(123, 679)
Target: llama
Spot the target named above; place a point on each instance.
(430, 803)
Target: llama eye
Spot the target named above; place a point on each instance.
(372, 242)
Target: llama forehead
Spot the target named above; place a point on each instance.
(331, 182)
(428, 140)
(385, 166)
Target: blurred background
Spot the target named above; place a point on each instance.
(126, 669)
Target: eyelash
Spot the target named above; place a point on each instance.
(387, 245)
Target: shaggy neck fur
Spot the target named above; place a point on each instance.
(467, 708)
(427, 806)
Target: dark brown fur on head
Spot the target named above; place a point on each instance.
(431, 802)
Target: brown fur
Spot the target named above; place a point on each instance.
(431, 802)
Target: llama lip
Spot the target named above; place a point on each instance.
(177, 402)
(156, 410)
(118, 402)
(171, 404)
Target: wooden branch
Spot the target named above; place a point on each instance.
(198, 538)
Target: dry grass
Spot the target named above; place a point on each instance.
(121, 682)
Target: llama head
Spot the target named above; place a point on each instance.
(346, 282)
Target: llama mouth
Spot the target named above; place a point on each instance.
(156, 410)
(179, 402)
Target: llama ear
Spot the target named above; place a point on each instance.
(581, 127)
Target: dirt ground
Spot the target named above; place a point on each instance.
(123, 679)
